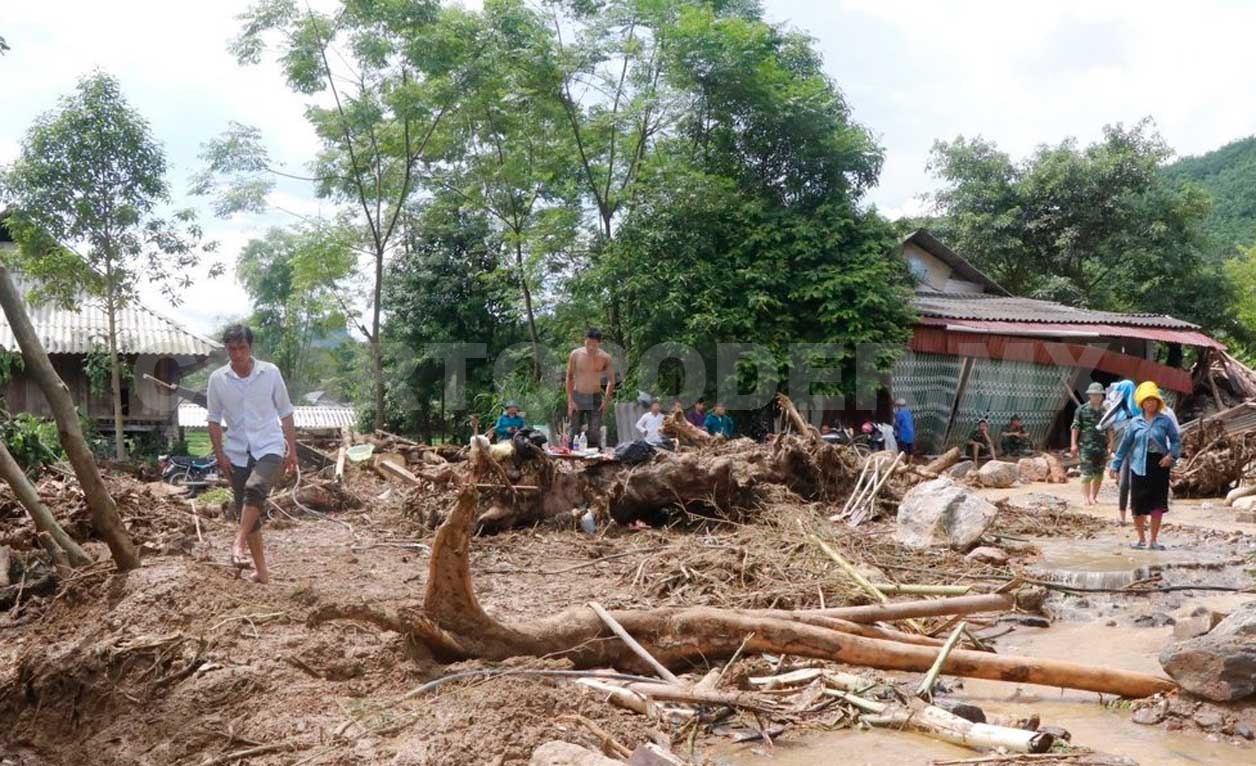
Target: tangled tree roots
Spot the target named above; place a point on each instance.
(453, 626)
(1214, 460)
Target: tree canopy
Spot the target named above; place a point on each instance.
(88, 191)
(1229, 176)
(1097, 226)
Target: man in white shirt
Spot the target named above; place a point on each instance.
(650, 425)
(248, 397)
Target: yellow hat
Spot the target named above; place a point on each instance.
(1147, 390)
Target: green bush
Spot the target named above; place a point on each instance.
(33, 441)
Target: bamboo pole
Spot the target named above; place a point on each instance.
(859, 579)
(627, 638)
(912, 589)
(925, 691)
(903, 610)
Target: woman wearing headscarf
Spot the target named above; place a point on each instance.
(1151, 444)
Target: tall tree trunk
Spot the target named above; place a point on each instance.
(115, 371)
(377, 355)
(59, 545)
(527, 303)
(105, 518)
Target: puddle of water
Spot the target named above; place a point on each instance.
(1081, 713)
(1108, 563)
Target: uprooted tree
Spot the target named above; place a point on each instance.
(105, 517)
(453, 626)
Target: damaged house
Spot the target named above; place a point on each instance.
(977, 351)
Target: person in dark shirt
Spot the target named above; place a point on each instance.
(718, 423)
(980, 441)
(697, 415)
(1015, 439)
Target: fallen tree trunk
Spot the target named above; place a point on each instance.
(942, 462)
(1238, 492)
(105, 519)
(677, 426)
(453, 626)
(60, 547)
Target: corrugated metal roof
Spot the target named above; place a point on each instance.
(303, 417)
(1004, 309)
(1070, 330)
(141, 330)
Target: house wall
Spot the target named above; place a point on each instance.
(144, 401)
(935, 272)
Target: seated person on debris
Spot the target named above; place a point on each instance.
(980, 441)
(650, 425)
(718, 423)
(697, 416)
(509, 422)
(1015, 441)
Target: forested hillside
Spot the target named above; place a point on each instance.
(1229, 175)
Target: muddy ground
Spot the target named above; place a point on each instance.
(183, 663)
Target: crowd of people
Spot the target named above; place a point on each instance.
(1137, 448)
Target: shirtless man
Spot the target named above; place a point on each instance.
(586, 367)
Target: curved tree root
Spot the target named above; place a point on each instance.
(454, 626)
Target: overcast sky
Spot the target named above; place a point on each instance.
(1019, 73)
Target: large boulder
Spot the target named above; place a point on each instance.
(941, 512)
(1033, 469)
(1221, 668)
(1241, 622)
(559, 753)
(1245, 503)
(997, 474)
(1036, 502)
(960, 469)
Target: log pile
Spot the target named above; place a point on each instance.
(1214, 459)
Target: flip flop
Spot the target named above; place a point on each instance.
(240, 562)
(1156, 547)
(1139, 546)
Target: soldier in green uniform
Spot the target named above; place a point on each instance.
(1091, 444)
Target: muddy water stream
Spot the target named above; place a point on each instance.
(1095, 629)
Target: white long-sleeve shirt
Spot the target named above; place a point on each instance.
(650, 426)
(249, 408)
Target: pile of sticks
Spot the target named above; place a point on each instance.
(861, 505)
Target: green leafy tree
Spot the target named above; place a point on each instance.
(388, 72)
(445, 288)
(87, 191)
(291, 277)
(511, 156)
(1098, 226)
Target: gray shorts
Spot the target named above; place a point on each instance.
(251, 484)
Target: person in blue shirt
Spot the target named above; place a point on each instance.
(718, 423)
(1151, 444)
(904, 429)
(509, 422)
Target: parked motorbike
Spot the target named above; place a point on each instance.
(869, 439)
(184, 471)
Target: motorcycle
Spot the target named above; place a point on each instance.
(870, 439)
(184, 471)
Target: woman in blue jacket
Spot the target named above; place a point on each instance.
(1151, 445)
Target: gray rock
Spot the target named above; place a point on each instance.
(963, 710)
(1033, 469)
(940, 512)
(559, 753)
(1154, 620)
(1216, 667)
(1148, 716)
(987, 554)
(1037, 502)
(1241, 622)
(1059, 733)
(997, 474)
(960, 469)
(1208, 719)
(1245, 731)
(1196, 625)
